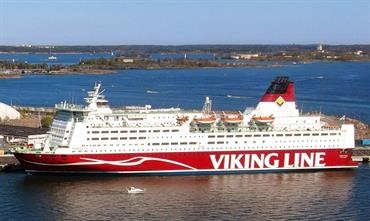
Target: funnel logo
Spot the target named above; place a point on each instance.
(280, 101)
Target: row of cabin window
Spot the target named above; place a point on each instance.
(281, 141)
(278, 135)
(141, 138)
(194, 149)
(58, 136)
(299, 146)
(174, 143)
(131, 131)
(165, 143)
(116, 138)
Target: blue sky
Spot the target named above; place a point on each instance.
(179, 22)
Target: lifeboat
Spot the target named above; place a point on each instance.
(182, 118)
(232, 118)
(205, 119)
(264, 119)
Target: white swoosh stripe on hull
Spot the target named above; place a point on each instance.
(116, 163)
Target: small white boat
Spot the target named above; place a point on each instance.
(134, 190)
(52, 58)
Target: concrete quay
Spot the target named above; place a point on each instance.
(361, 154)
(9, 163)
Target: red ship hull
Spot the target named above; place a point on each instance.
(188, 162)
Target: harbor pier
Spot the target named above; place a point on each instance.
(361, 154)
(9, 163)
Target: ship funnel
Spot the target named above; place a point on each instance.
(281, 88)
(279, 99)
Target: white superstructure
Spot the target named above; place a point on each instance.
(96, 128)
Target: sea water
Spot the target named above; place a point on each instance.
(319, 195)
(336, 88)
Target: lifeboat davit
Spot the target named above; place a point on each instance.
(232, 118)
(264, 119)
(205, 119)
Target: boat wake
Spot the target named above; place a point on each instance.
(319, 77)
(152, 92)
(236, 97)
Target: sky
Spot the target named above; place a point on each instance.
(183, 22)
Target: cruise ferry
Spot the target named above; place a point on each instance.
(274, 136)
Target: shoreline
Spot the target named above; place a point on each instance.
(116, 64)
(18, 73)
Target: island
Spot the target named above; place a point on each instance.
(143, 57)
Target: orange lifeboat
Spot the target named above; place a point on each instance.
(264, 119)
(232, 118)
(182, 119)
(205, 119)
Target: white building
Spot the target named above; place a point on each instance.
(8, 112)
(319, 48)
(248, 56)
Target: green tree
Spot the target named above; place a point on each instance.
(46, 121)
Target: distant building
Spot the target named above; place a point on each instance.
(319, 48)
(128, 60)
(248, 56)
(236, 57)
(8, 112)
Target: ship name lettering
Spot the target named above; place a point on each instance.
(271, 160)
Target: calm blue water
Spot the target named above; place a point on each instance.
(323, 195)
(63, 59)
(338, 88)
